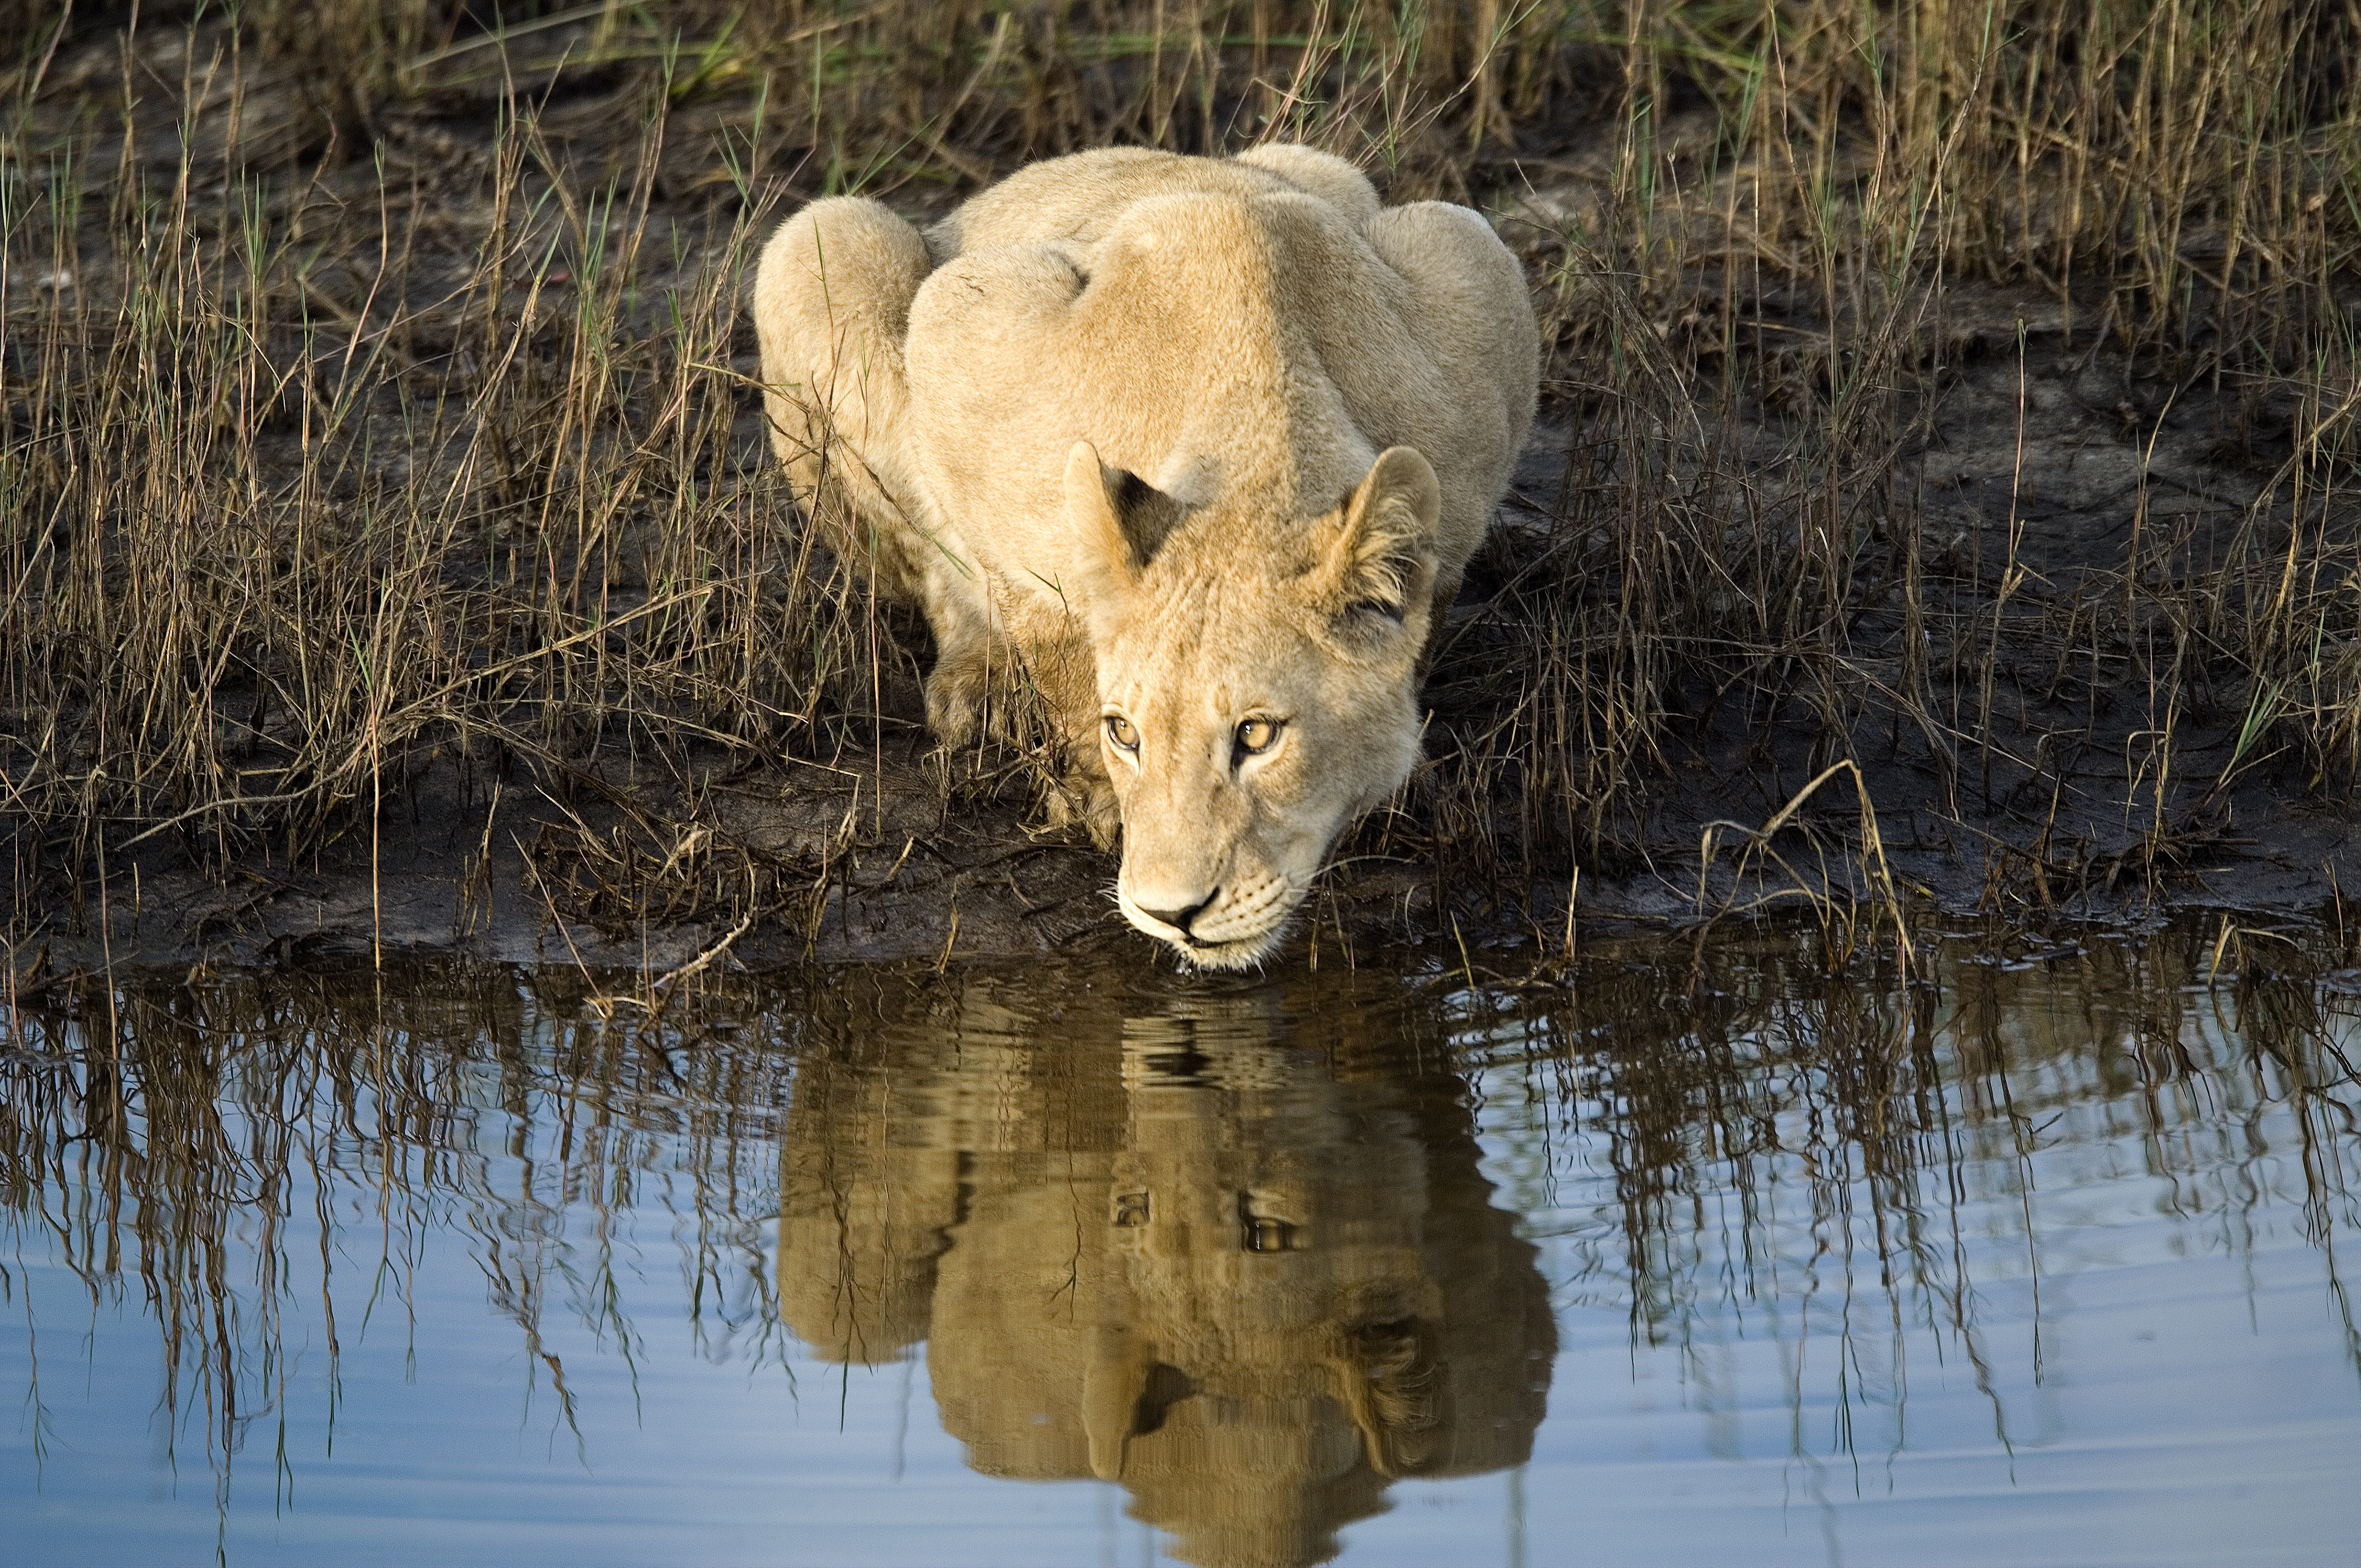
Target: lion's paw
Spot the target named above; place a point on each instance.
(1101, 817)
(1085, 803)
(956, 693)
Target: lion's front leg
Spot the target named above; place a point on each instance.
(1058, 661)
(975, 663)
(831, 308)
(1031, 681)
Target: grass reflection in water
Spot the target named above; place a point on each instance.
(1236, 1248)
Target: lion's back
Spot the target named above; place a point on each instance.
(1421, 322)
(1078, 198)
(1194, 315)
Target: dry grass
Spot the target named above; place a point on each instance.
(376, 396)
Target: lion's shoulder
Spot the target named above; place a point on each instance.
(1077, 198)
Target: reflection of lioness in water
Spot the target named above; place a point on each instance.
(1232, 1256)
(1207, 443)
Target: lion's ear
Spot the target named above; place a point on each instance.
(1117, 521)
(1383, 556)
(1390, 1382)
(1112, 1387)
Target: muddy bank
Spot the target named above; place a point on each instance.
(2040, 790)
(977, 884)
(2055, 808)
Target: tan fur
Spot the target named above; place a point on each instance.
(1197, 1253)
(1200, 443)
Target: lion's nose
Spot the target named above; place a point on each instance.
(1179, 919)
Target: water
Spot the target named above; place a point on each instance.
(2035, 1260)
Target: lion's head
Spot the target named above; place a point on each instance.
(1258, 679)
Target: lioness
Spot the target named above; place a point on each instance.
(1204, 445)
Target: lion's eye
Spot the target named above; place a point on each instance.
(1120, 731)
(1256, 736)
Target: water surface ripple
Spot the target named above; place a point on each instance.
(1674, 1256)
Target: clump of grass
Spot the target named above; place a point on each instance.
(293, 513)
(1752, 303)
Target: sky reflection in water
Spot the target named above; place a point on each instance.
(2035, 1264)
